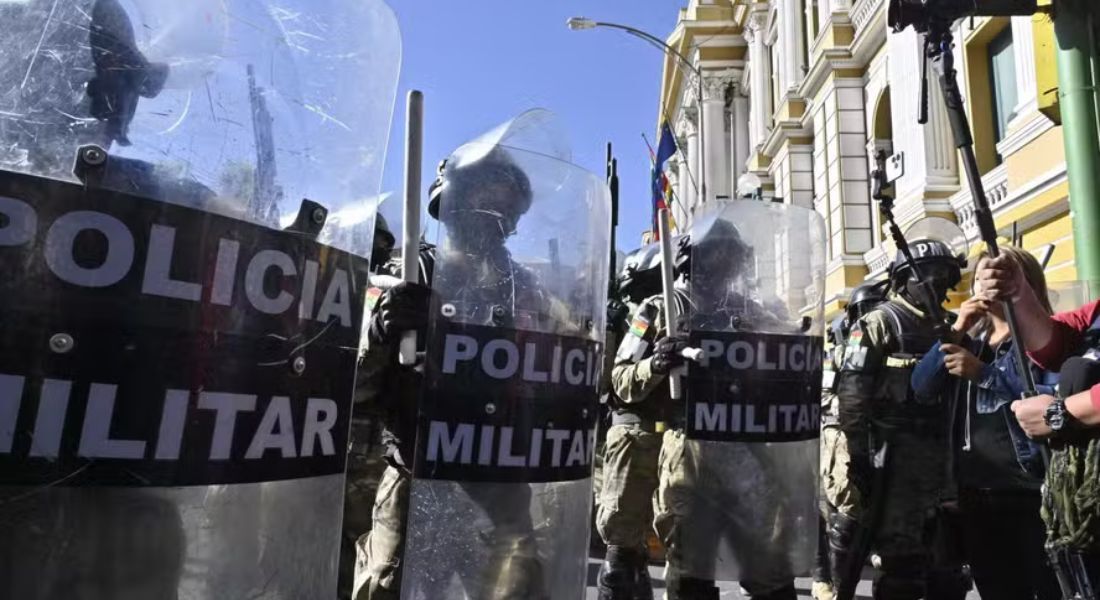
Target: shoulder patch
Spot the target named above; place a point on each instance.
(373, 295)
(639, 325)
(855, 338)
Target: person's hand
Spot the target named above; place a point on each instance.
(960, 362)
(667, 354)
(1000, 279)
(971, 312)
(404, 307)
(1030, 413)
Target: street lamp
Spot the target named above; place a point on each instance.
(582, 23)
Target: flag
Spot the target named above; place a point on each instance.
(666, 147)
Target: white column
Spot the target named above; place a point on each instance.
(791, 43)
(1023, 49)
(689, 134)
(758, 76)
(739, 137)
(683, 192)
(693, 162)
(716, 146)
(824, 12)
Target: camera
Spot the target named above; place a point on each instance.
(920, 14)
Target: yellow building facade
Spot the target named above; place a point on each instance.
(804, 93)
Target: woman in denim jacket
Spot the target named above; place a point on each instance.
(998, 470)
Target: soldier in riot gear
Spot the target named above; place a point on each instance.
(365, 464)
(896, 445)
(96, 135)
(643, 362)
(624, 511)
(836, 486)
(479, 203)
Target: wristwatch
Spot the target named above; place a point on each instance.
(1058, 418)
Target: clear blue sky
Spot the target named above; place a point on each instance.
(481, 62)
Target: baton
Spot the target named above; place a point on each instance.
(672, 316)
(410, 225)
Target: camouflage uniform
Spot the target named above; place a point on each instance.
(836, 486)
(877, 408)
(364, 471)
(387, 393)
(629, 470)
(683, 470)
(633, 445)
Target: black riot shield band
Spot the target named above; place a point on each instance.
(752, 422)
(501, 493)
(187, 201)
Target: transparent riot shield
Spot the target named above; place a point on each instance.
(744, 490)
(501, 493)
(186, 216)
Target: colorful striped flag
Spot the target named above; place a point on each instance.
(661, 189)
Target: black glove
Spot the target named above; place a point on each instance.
(617, 311)
(404, 307)
(667, 354)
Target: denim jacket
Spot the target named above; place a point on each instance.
(998, 385)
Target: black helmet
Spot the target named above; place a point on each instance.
(865, 297)
(838, 330)
(494, 169)
(720, 241)
(122, 73)
(640, 277)
(384, 241)
(928, 251)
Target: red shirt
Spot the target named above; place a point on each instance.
(1065, 341)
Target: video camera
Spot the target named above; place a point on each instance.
(920, 14)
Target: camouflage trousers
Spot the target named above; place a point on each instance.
(365, 468)
(624, 510)
(837, 488)
(380, 552)
(710, 495)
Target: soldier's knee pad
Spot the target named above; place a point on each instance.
(842, 531)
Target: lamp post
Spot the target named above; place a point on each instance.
(581, 24)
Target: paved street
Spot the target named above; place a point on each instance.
(730, 590)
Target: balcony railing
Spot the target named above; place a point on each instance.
(996, 192)
(863, 11)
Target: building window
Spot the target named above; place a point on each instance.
(1002, 83)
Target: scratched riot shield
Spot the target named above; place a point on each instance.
(743, 495)
(501, 493)
(186, 211)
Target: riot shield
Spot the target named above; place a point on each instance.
(501, 492)
(749, 487)
(186, 214)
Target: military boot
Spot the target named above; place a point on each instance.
(786, 592)
(624, 575)
(617, 574)
(844, 554)
(643, 585)
(689, 588)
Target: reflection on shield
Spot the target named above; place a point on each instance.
(177, 360)
(746, 490)
(502, 478)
